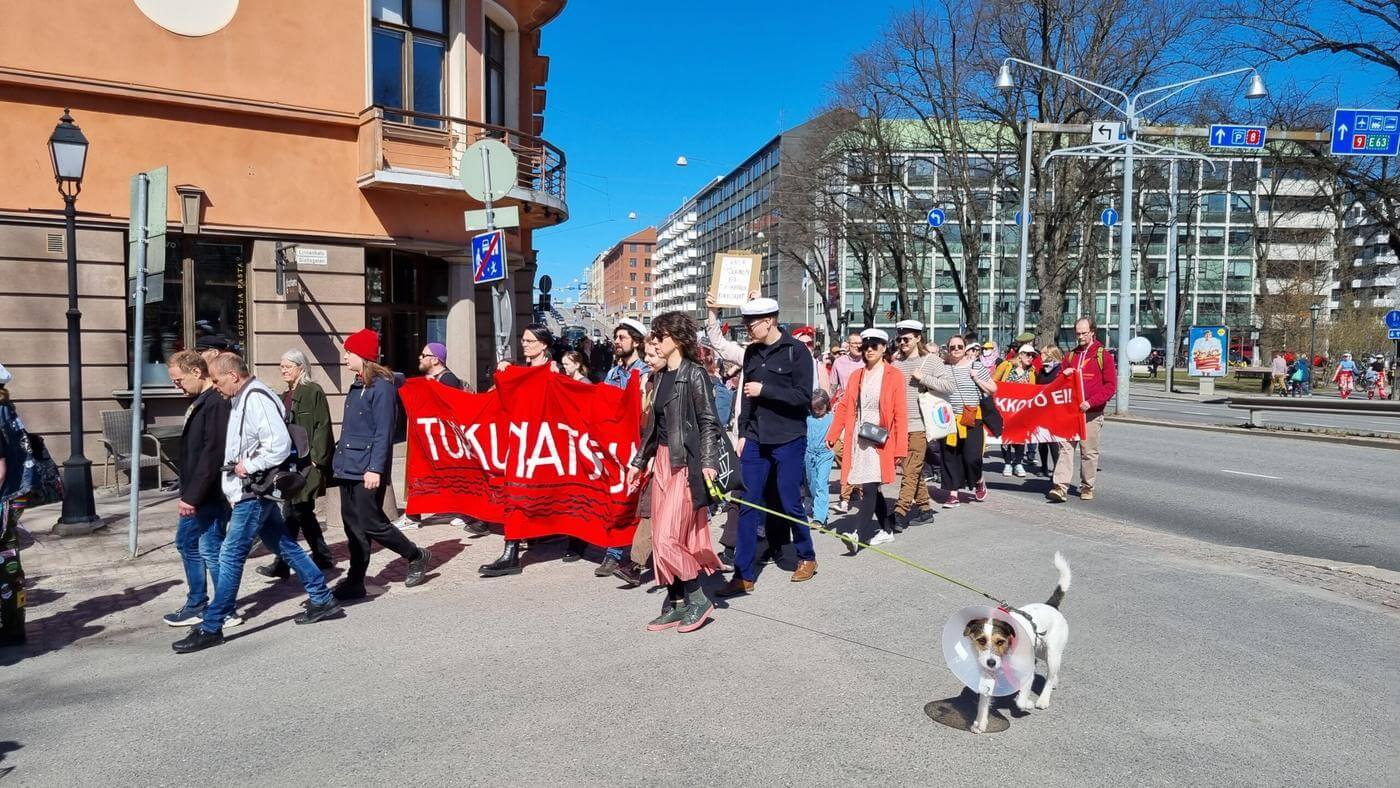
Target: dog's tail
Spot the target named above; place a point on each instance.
(1062, 587)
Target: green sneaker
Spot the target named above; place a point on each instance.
(698, 608)
(669, 617)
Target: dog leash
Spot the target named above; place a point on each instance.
(718, 494)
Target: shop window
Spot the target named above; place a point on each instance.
(205, 292)
(406, 302)
(409, 57)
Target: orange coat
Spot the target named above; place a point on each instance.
(894, 416)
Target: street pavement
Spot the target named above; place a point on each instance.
(1154, 405)
(1191, 660)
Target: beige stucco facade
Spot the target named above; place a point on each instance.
(272, 118)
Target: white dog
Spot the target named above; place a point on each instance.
(994, 639)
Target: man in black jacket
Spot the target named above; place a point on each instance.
(203, 511)
(775, 402)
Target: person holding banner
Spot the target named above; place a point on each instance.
(926, 374)
(627, 353)
(962, 449)
(362, 465)
(1050, 358)
(1020, 369)
(1098, 379)
(680, 451)
(872, 423)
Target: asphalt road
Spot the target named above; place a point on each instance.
(1149, 406)
(1307, 498)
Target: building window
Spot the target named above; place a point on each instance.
(409, 58)
(495, 76)
(406, 301)
(205, 293)
(634, 276)
(632, 261)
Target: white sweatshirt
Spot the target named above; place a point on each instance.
(264, 442)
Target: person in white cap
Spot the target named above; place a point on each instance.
(1020, 369)
(775, 402)
(925, 372)
(874, 402)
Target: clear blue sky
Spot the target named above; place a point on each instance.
(632, 85)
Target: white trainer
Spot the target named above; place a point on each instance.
(406, 523)
(1020, 470)
(882, 537)
(1006, 469)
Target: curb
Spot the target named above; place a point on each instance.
(1347, 440)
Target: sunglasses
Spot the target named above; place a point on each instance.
(905, 338)
(956, 347)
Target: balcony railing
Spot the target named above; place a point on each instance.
(401, 140)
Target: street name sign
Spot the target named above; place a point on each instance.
(1226, 135)
(489, 257)
(936, 218)
(1105, 131)
(1365, 132)
(506, 216)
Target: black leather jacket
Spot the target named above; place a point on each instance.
(692, 430)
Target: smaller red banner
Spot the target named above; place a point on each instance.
(1041, 413)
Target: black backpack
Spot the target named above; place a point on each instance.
(287, 480)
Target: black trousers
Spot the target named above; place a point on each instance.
(363, 513)
(874, 512)
(962, 464)
(301, 522)
(1049, 455)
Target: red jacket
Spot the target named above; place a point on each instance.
(1097, 371)
(894, 416)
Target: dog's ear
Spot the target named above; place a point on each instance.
(973, 627)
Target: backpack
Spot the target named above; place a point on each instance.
(287, 480)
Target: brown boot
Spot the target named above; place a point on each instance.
(1056, 494)
(805, 571)
(1086, 492)
(736, 586)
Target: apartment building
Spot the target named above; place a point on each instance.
(626, 276)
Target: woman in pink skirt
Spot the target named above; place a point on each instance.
(680, 451)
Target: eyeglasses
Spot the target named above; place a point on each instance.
(531, 340)
(426, 355)
(956, 347)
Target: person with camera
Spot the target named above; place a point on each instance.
(362, 465)
(256, 445)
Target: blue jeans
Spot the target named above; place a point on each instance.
(615, 553)
(819, 483)
(756, 464)
(256, 519)
(198, 537)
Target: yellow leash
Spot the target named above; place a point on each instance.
(721, 495)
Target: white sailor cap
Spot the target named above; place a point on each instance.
(760, 307)
(635, 325)
(878, 334)
(909, 325)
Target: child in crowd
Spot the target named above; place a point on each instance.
(819, 457)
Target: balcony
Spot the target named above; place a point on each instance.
(420, 153)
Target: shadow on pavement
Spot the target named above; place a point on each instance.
(7, 747)
(63, 629)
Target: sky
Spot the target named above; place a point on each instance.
(632, 85)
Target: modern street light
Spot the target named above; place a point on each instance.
(1128, 107)
(1315, 310)
(68, 152)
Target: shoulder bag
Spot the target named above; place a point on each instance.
(871, 432)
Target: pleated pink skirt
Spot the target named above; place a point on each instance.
(680, 533)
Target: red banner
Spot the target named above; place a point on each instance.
(540, 453)
(1041, 413)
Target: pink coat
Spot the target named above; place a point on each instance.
(894, 416)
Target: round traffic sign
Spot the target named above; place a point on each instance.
(1392, 318)
(546, 283)
(1016, 217)
(1109, 217)
(485, 156)
(936, 218)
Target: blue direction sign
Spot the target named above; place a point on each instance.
(489, 257)
(1393, 333)
(1016, 217)
(1366, 132)
(936, 218)
(1225, 135)
(1392, 319)
(1109, 217)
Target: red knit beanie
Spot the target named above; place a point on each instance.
(364, 343)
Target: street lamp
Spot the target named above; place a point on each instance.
(68, 152)
(1315, 310)
(1128, 107)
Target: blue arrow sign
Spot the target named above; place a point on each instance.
(1392, 318)
(1109, 217)
(1016, 217)
(489, 257)
(1393, 333)
(936, 218)
(1225, 135)
(1366, 132)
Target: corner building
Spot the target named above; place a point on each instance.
(322, 135)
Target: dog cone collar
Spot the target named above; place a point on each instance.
(1017, 667)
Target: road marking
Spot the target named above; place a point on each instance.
(1199, 413)
(1244, 473)
(1139, 407)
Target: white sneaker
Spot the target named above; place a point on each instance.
(882, 537)
(840, 506)
(953, 502)
(1006, 469)
(233, 620)
(1021, 470)
(458, 522)
(406, 523)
